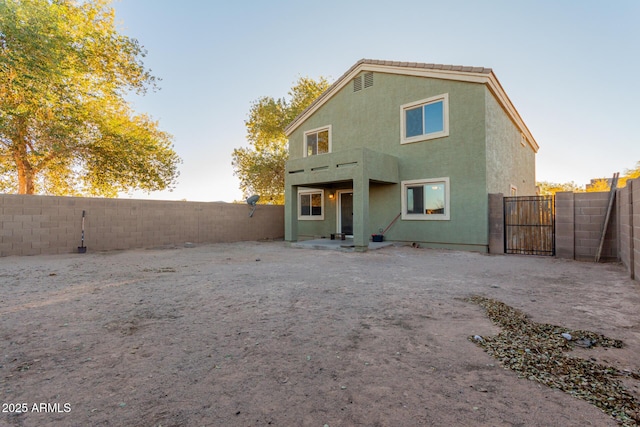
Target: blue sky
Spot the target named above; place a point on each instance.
(570, 68)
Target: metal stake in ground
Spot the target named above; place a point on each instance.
(82, 249)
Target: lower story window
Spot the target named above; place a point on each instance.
(310, 204)
(425, 199)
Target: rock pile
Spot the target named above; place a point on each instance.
(537, 352)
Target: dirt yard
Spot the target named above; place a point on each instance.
(256, 334)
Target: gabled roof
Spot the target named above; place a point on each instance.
(479, 75)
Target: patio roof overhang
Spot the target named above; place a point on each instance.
(348, 165)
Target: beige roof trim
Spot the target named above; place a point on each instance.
(437, 71)
(496, 88)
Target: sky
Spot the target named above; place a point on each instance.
(570, 68)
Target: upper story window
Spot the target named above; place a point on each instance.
(317, 141)
(425, 119)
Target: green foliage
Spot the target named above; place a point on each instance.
(262, 173)
(65, 127)
(630, 174)
(600, 184)
(550, 188)
(260, 167)
(604, 184)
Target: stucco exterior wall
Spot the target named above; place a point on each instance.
(509, 162)
(33, 225)
(323, 229)
(371, 118)
(482, 153)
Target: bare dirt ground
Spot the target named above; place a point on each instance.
(256, 334)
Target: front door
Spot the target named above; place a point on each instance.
(345, 212)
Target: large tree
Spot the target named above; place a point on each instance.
(631, 173)
(604, 184)
(260, 167)
(600, 184)
(551, 188)
(65, 126)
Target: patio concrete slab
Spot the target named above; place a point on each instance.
(336, 245)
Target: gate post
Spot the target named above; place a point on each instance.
(565, 225)
(496, 223)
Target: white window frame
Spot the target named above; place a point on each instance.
(311, 217)
(305, 149)
(425, 217)
(433, 135)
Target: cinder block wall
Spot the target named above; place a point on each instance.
(496, 223)
(629, 208)
(32, 225)
(625, 208)
(636, 227)
(565, 225)
(590, 213)
(583, 213)
(579, 219)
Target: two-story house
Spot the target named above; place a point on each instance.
(425, 143)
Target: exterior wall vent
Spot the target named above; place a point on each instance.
(357, 84)
(368, 79)
(363, 81)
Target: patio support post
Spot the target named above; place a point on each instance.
(361, 213)
(291, 213)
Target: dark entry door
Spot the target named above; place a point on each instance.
(346, 213)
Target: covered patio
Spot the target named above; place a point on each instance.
(359, 167)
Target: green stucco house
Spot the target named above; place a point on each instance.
(425, 143)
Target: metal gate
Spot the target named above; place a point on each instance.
(529, 225)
